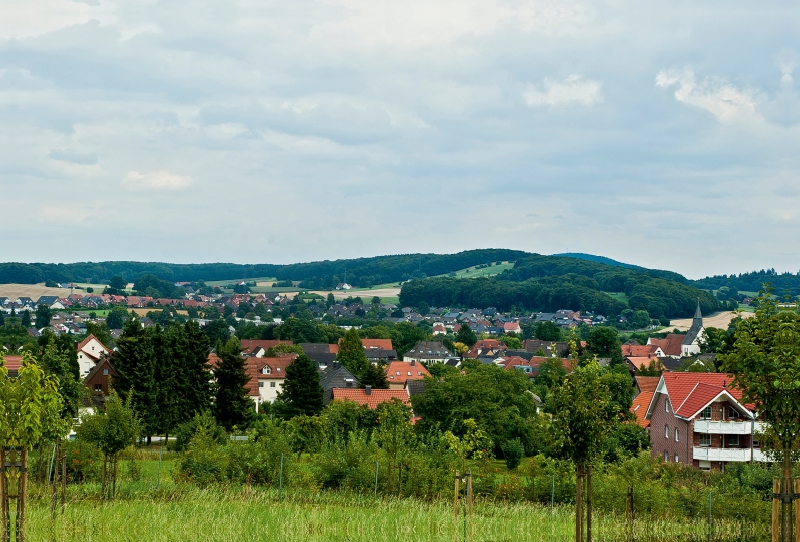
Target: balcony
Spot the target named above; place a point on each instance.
(721, 454)
(723, 427)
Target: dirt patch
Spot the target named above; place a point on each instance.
(34, 291)
(720, 321)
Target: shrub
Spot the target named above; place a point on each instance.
(513, 452)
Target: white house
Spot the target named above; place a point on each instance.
(270, 373)
(89, 351)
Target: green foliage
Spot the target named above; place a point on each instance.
(351, 353)
(301, 393)
(112, 428)
(232, 404)
(186, 431)
(43, 316)
(155, 287)
(512, 342)
(466, 336)
(56, 362)
(117, 317)
(497, 400)
(547, 331)
(603, 342)
(513, 452)
(341, 418)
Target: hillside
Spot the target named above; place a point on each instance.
(598, 259)
(549, 283)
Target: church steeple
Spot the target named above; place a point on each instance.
(697, 314)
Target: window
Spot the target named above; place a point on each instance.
(676, 434)
(272, 384)
(666, 431)
(756, 443)
(260, 384)
(666, 405)
(733, 440)
(105, 372)
(267, 371)
(666, 456)
(676, 459)
(705, 440)
(705, 414)
(733, 413)
(98, 387)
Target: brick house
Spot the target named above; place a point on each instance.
(697, 419)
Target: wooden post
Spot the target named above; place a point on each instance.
(63, 481)
(377, 465)
(796, 510)
(776, 489)
(469, 502)
(589, 503)
(455, 510)
(54, 483)
(578, 502)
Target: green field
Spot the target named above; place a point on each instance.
(178, 513)
(475, 272)
(619, 296)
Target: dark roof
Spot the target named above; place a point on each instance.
(336, 376)
(415, 387)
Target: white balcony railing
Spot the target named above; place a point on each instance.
(721, 454)
(723, 427)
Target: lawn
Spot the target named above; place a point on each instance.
(619, 296)
(475, 272)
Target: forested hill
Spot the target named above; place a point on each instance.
(782, 283)
(324, 274)
(598, 259)
(549, 283)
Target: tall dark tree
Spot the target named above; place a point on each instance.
(351, 353)
(134, 361)
(26, 319)
(57, 362)
(301, 393)
(197, 395)
(604, 343)
(375, 376)
(232, 405)
(547, 331)
(43, 316)
(466, 335)
(217, 331)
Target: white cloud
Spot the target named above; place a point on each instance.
(721, 99)
(156, 180)
(574, 90)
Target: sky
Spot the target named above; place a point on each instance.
(661, 134)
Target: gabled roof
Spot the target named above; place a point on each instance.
(689, 393)
(372, 400)
(277, 366)
(647, 383)
(88, 339)
(670, 345)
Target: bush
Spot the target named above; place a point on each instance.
(84, 461)
(186, 431)
(513, 452)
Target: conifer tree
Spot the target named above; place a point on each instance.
(301, 393)
(197, 396)
(232, 405)
(351, 353)
(134, 362)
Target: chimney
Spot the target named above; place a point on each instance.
(413, 362)
(368, 389)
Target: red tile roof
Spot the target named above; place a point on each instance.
(402, 371)
(647, 383)
(642, 363)
(690, 392)
(277, 366)
(670, 345)
(639, 350)
(372, 400)
(639, 407)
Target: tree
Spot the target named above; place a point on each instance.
(583, 413)
(764, 366)
(43, 316)
(603, 343)
(26, 319)
(547, 331)
(134, 362)
(301, 393)
(56, 362)
(512, 342)
(374, 375)
(117, 317)
(466, 336)
(118, 283)
(351, 353)
(232, 406)
(112, 429)
(197, 374)
(640, 319)
(217, 331)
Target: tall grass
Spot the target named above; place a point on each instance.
(181, 513)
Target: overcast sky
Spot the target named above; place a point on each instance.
(663, 134)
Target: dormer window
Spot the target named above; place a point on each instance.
(267, 371)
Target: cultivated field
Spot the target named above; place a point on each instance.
(365, 293)
(721, 321)
(34, 291)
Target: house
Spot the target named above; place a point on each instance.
(368, 396)
(643, 363)
(638, 350)
(639, 408)
(100, 378)
(644, 384)
(258, 348)
(336, 376)
(270, 374)
(398, 373)
(439, 329)
(486, 348)
(698, 419)
(550, 348)
(428, 351)
(90, 350)
(512, 327)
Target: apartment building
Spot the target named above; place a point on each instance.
(698, 419)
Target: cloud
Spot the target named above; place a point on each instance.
(574, 90)
(723, 100)
(68, 155)
(156, 180)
